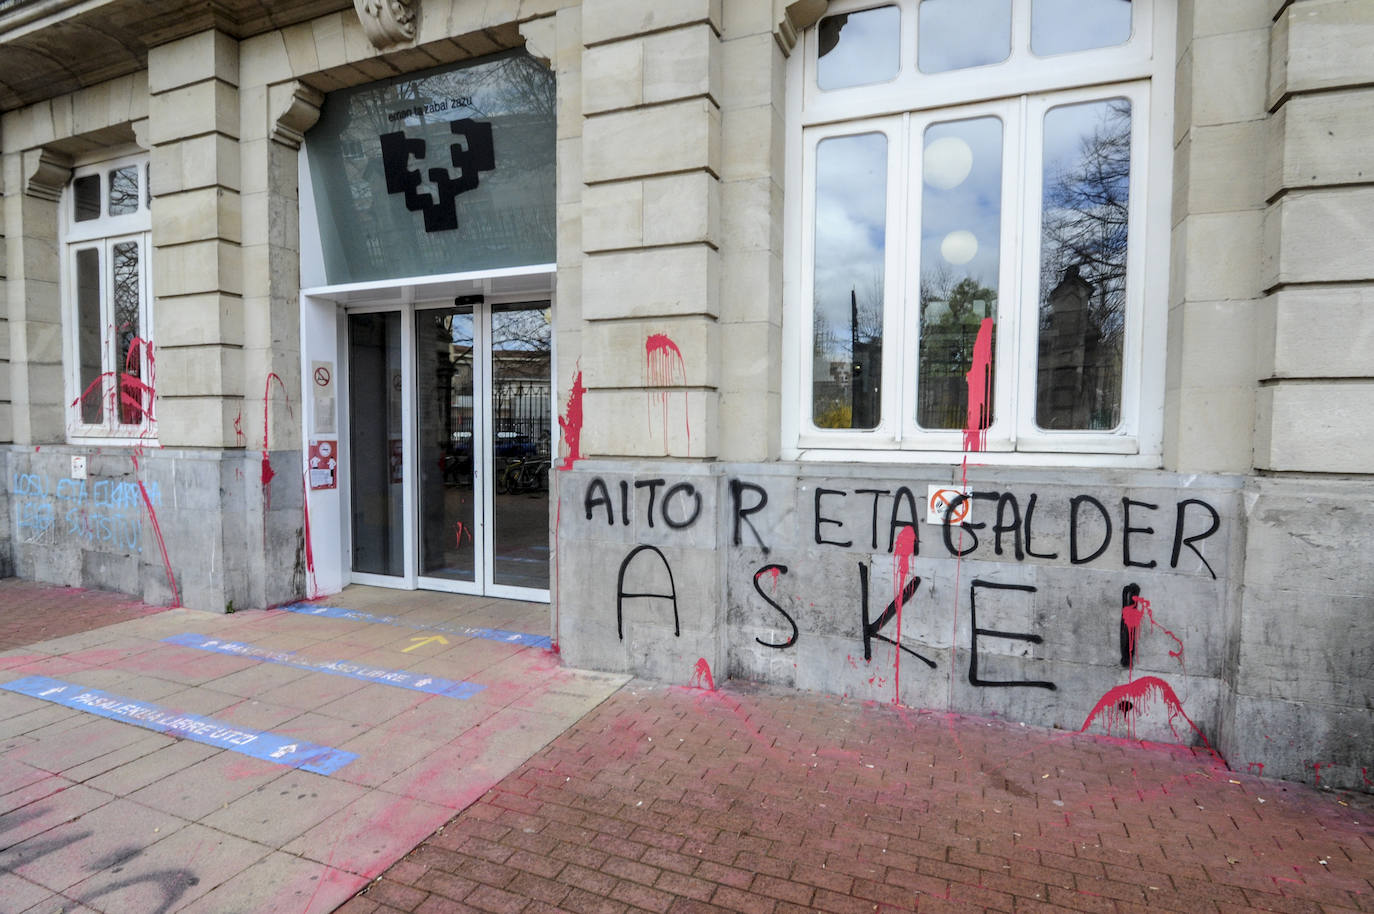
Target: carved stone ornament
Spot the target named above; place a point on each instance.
(387, 22)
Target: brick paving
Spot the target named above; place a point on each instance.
(31, 612)
(758, 800)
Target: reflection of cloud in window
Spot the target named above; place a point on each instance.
(972, 206)
(859, 49)
(948, 161)
(1061, 26)
(851, 206)
(959, 247)
(954, 34)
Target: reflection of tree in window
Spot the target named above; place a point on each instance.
(124, 191)
(128, 358)
(1083, 268)
(951, 314)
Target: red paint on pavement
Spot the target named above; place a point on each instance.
(701, 677)
(667, 369)
(979, 379)
(571, 422)
(1123, 702)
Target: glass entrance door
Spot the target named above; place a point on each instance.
(457, 497)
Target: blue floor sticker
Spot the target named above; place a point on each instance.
(269, 747)
(418, 682)
(492, 634)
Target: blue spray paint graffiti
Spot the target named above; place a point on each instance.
(104, 511)
(419, 682)
(259, 744)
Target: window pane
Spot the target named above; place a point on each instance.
(124, 190)
(961, 215)
(89, 334)
(1083, 265)
(124, 290)
(859, 49)
(86, 194)
(955, 34)
(851, 238)
(1061, 26)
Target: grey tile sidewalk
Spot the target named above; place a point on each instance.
(105, 816)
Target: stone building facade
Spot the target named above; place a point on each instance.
(1008, 357)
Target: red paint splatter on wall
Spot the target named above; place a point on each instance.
(1123, 703)
(313, 589)
(903, 550)
(1132, 616)
(667, 369)
(571, 422)
(980, 390)
(701, 677)
(157, 534)
(267, 472)
(1364, 773)
(1317, 774)
(238, 427)
(1255, 767)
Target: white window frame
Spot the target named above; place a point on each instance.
(103, 233)
(1019, 90)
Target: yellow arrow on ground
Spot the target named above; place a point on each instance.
(422, 640)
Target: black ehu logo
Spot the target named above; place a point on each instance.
(473, 154)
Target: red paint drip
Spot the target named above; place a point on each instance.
(1132, 615)
(667, 369)
(979, 379)
(267, 471)
(773, 572)
(701, 677)
(1364, 773)
(157, 532)
(311, 581)
(462, 529)
(903, 550)
(1123, 702)
(572, 424)
(1256, 767)
(1317, 774)
(238, 427)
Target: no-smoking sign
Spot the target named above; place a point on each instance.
(942, 500)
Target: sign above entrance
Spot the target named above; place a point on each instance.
(442, 171)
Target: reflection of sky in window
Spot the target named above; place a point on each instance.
(954, 34)
(1068, 128)
(973, 205)
(867, 50)
(851, 210)
(1060, 26)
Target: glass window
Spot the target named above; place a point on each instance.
(961, 227)
(441, 171)
(1063, 26)
(972, 245)
(1084, 231)
(859, 49)
(956, 34)
(86, 198)
(848, 283)
(124, 190)
(108, 302)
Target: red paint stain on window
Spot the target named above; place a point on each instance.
(571, 423)
(701, 677)
(979, 379)
(667, 369)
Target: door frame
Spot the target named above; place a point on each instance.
(407, 296)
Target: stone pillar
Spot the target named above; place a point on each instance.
(651, 165)
(1303, 677)
(197, 261)
(1218, 207)
(1316, 363)
(34, 412)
